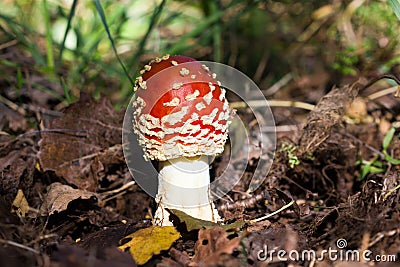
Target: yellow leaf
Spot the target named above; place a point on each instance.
(150, 241)
(20, 204)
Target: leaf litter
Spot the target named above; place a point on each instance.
(77, 156)
(53, 181)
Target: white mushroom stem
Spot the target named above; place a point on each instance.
(184, 184)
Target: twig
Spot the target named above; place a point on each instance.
(261, 66)
(363, 143)
(272, 103)
(273, 213)
(384, 76)
(15, 244)
(376, 238)
(391, 192)
(13, 105)
(59, 131)
(279, 84)
(282, 128)
(383, 92)
(8, 44)
(115, 191)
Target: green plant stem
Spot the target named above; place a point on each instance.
(103, 20)
(49, 40)
(70, 16)
(217, 42)
(153, 21)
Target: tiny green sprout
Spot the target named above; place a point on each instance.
(372, 166)
(293, 160)
(310, 156)
(385, 144)
(375, 165)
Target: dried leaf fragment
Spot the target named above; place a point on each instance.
(150, 241)
(20, 204)
(212, 245)
(59, 196)
(197, 224)
(88, 128)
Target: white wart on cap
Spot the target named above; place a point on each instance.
(180, 109)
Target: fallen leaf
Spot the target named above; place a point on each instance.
(196, 224)
(191, 222)
(88, 129)
(59, 196)
(150, 241)
(20, 204)
(212, 247)
(16, 167)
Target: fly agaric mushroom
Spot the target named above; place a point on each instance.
(181, 119)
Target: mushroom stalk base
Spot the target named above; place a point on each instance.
(184, 184)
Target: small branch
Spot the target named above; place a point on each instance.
(279, 84)
(8, 44)
(15, 244)
(273, 213)
(383, 92)
(12, 105)
(272, 103)
(124, 187)
(391, 192)
(384, 76)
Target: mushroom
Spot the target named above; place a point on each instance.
(181, 118)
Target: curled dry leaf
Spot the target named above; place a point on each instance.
(212, 248)
(150, 241)
(76, 156)
(59, 196)
(326, 116)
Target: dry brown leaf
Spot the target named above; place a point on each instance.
(213, 244)
(150, 241)
(16, 167)
(76, 156)
(59, 196)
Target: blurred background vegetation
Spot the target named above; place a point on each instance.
(301, 44)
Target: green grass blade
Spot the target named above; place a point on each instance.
(153, 21)
(205, 26)
(395, 4)
(70, 16)
(104, 21)
(391, 159)
(49, 38)
(20, 32)
(388, 138)
(66, 92)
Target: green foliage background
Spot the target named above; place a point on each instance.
(264, 39)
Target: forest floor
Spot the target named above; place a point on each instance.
(67, 197)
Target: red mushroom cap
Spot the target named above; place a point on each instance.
(180, 109)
